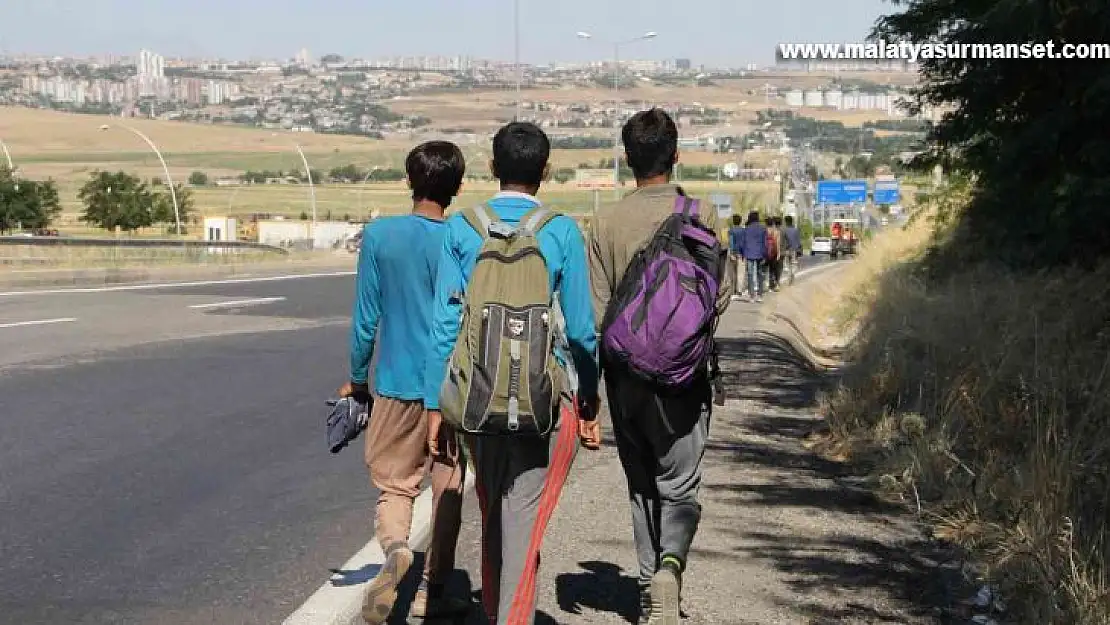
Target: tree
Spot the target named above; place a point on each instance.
(198, 179)
(162, 207)
(1029, 131)
(26, 204)
(347, 173)
(117, 200)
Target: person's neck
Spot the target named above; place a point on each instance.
(521, 188)
(653, 181)
(427, 208)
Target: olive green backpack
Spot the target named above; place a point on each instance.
(503, 378)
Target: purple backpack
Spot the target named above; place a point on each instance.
(659, 325)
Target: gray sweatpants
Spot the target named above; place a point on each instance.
(661, 443)
(518, 481)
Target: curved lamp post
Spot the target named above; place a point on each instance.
(616, 89)
(311, 194)
(7, 155)
(362, 187)
(165, 169)
(311, 189)
(11, 165)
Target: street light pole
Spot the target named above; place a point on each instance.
(616, 99)
(516, 55)
(311, 194)
(165, 169)
(616, 119)
(362, 187)
(8, 155)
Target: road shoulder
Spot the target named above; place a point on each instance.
(30, 279)
(781, 541)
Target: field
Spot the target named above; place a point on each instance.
(358, 202)
(68, 147)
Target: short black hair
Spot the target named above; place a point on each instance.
(753, 217)
(789, 221)
(778, 220)
(520, 154)
(435, 171)
(650, 143)
(737, 220)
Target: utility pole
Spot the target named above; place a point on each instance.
(616, 97)
(516, 56)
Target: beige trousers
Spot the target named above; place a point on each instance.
(398, 458)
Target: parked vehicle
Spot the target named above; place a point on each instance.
(820, 245)
(355, 242)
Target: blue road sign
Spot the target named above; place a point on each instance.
(887, 192)
(842, 191)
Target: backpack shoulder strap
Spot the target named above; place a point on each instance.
(686, 206)
(536, 219)
(479, 218)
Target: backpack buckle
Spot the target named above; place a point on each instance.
(502, 230)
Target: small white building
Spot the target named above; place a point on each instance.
(795, 98)
(220, 229)
(834, 98)
(815, 98)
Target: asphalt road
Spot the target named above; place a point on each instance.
(162, 454)
(167, 464)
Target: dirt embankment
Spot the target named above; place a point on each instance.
(981, 397)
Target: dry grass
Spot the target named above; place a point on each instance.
(984, 395)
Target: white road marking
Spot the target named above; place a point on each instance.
(335, 604)
(176, 285)
(239, 302)
(38, 322)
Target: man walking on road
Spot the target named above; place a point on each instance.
(779, 252)
(735, 248)
(753, 248)
(393, 302)
(518, 478)
(660, 435)
(792, 239)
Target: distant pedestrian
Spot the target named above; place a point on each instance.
(500, 266)
(771, 255)
(661, 427)
(792, 237)
(754, 250)
(780, 247)
(735, 248)
(392, 315)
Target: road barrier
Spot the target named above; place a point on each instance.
(45, 251)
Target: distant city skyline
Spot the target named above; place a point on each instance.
(715, 32)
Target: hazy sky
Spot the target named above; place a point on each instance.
(706, 31)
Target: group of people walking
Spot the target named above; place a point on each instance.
(763, 251)
(493, 330)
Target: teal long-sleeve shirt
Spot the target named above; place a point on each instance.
(562, 247)
(393, 303)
